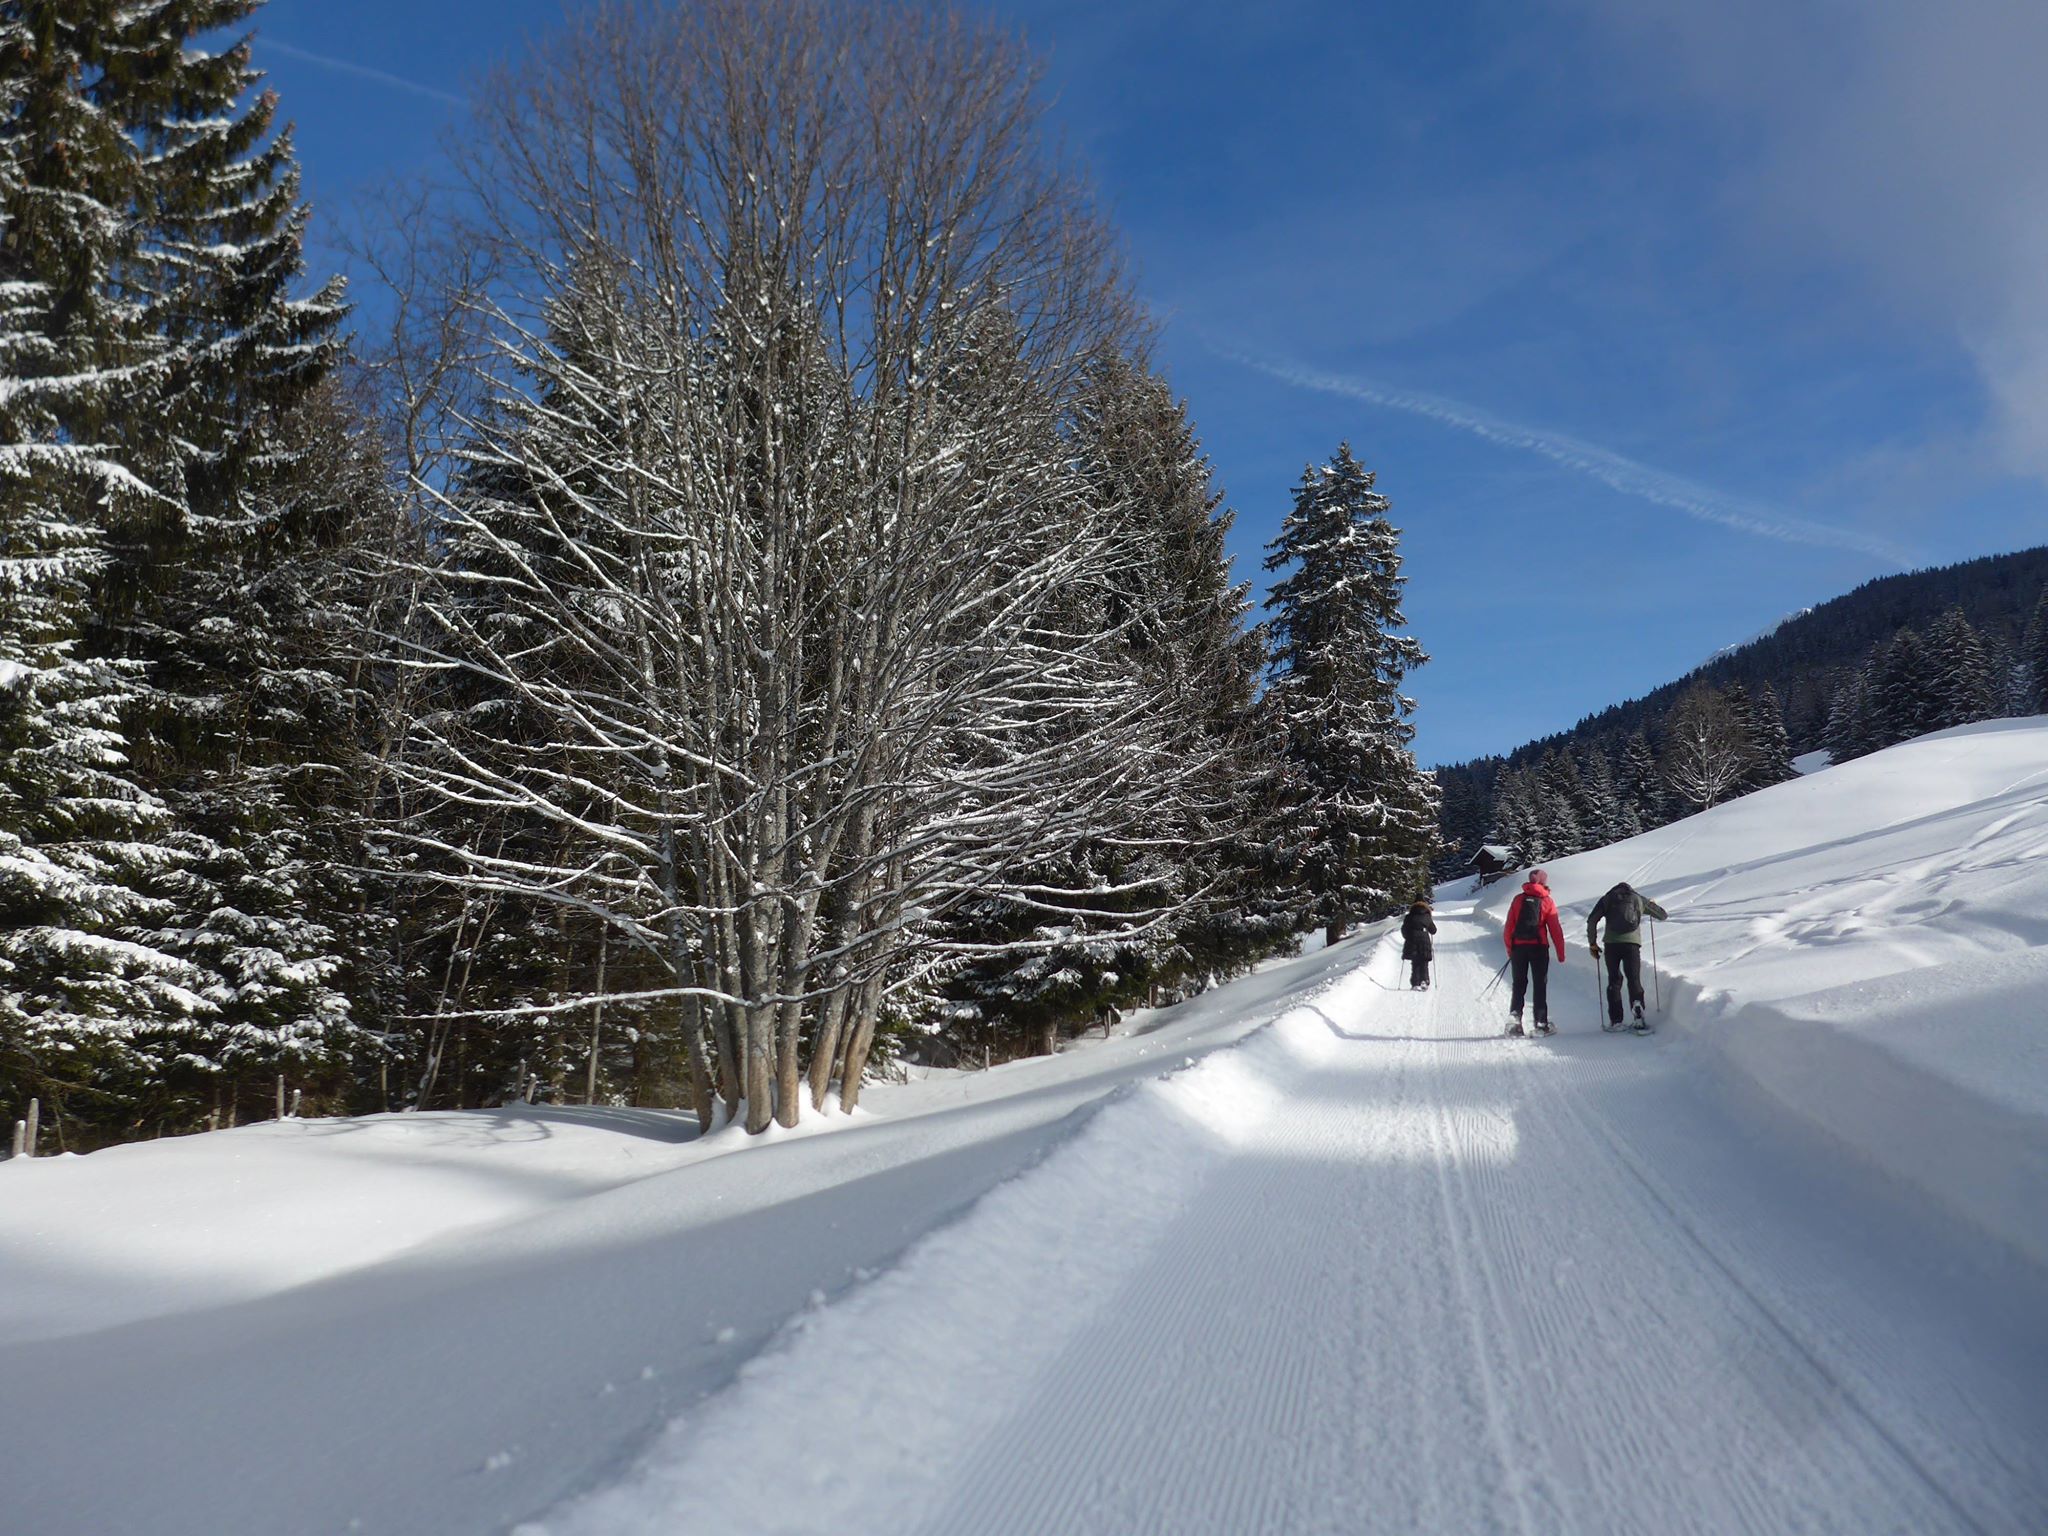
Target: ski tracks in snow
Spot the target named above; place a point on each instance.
(1379, 1269)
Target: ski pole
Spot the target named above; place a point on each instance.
(1496, 979)
(1655, 981)
(1599, 994)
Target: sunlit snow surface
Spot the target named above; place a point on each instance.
(1312, 1253)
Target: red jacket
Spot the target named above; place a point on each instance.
(1546, 924)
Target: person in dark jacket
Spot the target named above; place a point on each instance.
(1623, 909)
(1532, 927)
(1417, 947)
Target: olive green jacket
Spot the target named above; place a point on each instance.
(1623, 908)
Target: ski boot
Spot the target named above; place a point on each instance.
(1514, 1026)
(1639, 1024)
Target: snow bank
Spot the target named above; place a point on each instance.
(1869, 945)
(160, 1227)
(1022, 1273)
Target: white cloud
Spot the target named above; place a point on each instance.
(1903, 141)
(1630, 477)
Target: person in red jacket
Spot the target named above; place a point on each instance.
(1530, 932)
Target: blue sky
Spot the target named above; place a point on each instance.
(1658, 320)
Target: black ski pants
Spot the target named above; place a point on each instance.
(1531, 963)
(1623, 960)
(1418, 970)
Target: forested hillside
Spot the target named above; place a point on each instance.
(1896, 657)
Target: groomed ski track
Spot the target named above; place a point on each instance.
(1380, 1269)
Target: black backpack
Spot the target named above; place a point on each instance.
(1624, 910)
(1529, 920)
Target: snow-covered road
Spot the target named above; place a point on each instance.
(1379, 1269)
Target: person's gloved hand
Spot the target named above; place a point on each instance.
(1596, 950)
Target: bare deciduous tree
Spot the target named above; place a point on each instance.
(1707, 751)
(761, 591)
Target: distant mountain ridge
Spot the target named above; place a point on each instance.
(1764, 633)
(1803, 659)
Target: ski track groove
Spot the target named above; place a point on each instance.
(1675, 1217)
(1096, 1415)
(1474, 1277)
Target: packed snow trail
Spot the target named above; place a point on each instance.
(1380, 1269)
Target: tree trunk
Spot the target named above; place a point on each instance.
(597, 1017)
(825, 1052)
(859, 1041)
(794, 951)
(701, 1097)
(760, 1070)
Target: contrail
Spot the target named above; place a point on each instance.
(1611, 469)
(363, 71)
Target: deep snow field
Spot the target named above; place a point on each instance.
(1308, 1253)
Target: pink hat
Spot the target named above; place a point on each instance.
(1538, 877)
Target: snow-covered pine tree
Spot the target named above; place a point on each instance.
(1770, 743)
(2034, 656)
(207, 570)
(1960, 672)
(1847, 734)
(1362, 817)
(1559, 798)
(1602, 816)
(1183, 620)
(1900, 696)
(2008, 674)
(1467, 820)
(85, 1009)
(1763, 726)
(150, 199)
(1177, 617)
(1527, 827)
(1640, 783)
(271, 811)
(1506, 825)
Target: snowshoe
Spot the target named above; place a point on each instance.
(1545, 1027)
(1514, 1025)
